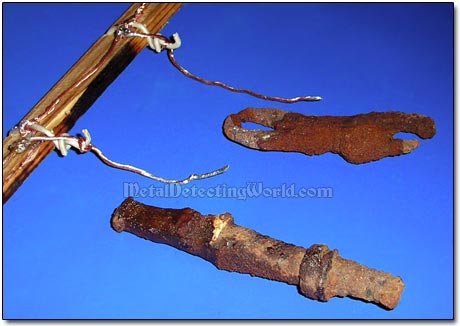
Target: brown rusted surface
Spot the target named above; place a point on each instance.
(319, 273)
(324, 274)
(185, 229)
(239, 249)
(358, 139)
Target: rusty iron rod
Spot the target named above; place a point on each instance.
(319, 273)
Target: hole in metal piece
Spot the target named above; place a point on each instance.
(255, 126)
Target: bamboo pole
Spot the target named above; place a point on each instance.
(79, 87)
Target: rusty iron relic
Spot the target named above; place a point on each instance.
(358, 139)
(318, 272)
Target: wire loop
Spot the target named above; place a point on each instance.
(83, 144)
(158, 42)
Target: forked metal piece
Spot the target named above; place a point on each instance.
(358, 139)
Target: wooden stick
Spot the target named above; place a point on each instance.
(80, 86)
(319, 273)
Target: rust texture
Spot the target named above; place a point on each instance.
(319, 273)
(358, 139)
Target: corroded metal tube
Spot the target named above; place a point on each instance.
(319, 273)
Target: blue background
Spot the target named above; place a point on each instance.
(61, 259)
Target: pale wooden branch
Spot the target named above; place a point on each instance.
(75, 97)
